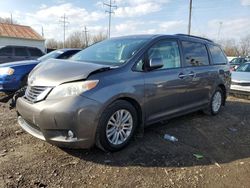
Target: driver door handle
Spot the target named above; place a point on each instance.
(181, 75)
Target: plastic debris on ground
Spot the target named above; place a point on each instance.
(170, 138)
(198, 156)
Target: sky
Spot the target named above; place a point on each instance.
(216, 19)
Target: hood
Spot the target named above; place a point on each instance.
(241, 77)
(54, 72)
(19, 63)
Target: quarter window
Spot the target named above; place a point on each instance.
(218, 56)
(195, 54)
(35, 52)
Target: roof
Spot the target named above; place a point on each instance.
(180, 36)
(19, 31)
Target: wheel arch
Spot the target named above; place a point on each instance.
(224, 92)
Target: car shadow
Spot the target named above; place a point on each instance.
(216, 139)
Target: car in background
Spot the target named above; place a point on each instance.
(241, 80)
(18, 53)
(236, 62)
(14, 75)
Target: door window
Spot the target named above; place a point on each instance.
(6, 51)
(195, 54)
(167, 51)
(21, 52)
(218, 56)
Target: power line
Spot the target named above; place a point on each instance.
(190, 16)
(110, 11)
(64, 21)
(86, 36)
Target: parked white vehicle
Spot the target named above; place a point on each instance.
(241, 79)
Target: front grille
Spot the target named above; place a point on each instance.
(240, 83)
(36, 93)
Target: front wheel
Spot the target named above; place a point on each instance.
(215, 103)
(116, 126)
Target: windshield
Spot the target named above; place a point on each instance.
(53, 54)
(112, 52)
(235, 61)
(244, 68)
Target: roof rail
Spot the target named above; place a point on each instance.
(195, 37)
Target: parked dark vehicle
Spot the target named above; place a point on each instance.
(13, 76)
(116, 86)
(18, 53)
(236, 62)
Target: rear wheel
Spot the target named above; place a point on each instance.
(116, 126)
(216, 102)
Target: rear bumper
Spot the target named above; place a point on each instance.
(53, 119)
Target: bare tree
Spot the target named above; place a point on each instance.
(7, 20)
(230, 47)
(98, 37)
(51, 43)
(244, 45)
(76, 40)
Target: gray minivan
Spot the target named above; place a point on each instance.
(116, 86)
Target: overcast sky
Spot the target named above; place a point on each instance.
(133, 16)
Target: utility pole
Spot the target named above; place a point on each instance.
(11, 20)
(42, 32)
(110, 11)
(219, 30)
(64, 21)
(190, 17)
(86, 36)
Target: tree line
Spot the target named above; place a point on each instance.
(76, 39)
(233, 47)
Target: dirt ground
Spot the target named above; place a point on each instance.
(223, 142)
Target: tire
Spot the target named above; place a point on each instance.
(111, 128)
(215, 103)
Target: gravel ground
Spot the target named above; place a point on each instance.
(222, 143)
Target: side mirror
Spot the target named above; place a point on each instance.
(155, 63)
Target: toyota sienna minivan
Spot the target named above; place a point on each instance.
(110, 89)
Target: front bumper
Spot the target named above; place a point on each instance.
(10, 83)
(239, 88)
(51, 120)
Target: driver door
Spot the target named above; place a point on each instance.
(165, 88)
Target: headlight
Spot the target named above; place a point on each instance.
(72, 89)
(6, 71)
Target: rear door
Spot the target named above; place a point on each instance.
(197, 74)
(21, 53)
(6, 54)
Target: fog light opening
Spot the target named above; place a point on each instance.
(71, 135)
